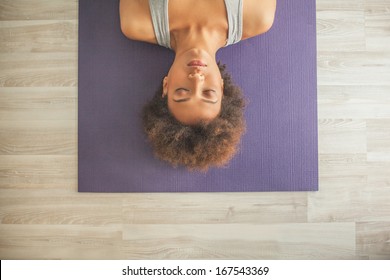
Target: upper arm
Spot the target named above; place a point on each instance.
(135, 20)
(258, 17)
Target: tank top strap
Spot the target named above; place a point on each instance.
(159, 14)
(234, 10)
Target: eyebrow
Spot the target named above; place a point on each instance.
(181, 89)
(186, 99)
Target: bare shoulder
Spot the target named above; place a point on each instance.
(135, 19)
(258, 17)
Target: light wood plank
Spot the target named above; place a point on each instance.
(199, 208)
(353, 68)
(343, 185)
(38, 103)
(373, 240)
(249, 241)
(38, 9)
(378, 191)
(38, 36)
(342, 136)
(336, 5)
(354, 102)
(377, 18)
(38, 69)
(340, 30)
(50, 138)
(60, 242)
(38, 171)
(351, 191)
(58, 207)
(378, 139)
(342, 165)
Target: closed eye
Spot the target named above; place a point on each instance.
(210, 93)
(182, 89)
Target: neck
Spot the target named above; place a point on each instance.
(197, 38)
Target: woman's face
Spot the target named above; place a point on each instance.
(194, 87)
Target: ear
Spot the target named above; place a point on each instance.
(222, 86)
(165, 86)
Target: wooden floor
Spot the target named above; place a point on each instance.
(44, 217)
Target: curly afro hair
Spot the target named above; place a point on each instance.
(200, 146)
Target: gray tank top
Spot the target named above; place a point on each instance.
(160, 18)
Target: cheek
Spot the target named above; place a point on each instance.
(172, 107)
(176, 76)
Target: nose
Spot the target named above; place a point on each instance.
(197, 75)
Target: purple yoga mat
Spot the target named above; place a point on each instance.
(277, 72)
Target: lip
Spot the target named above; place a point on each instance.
(197, 63)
